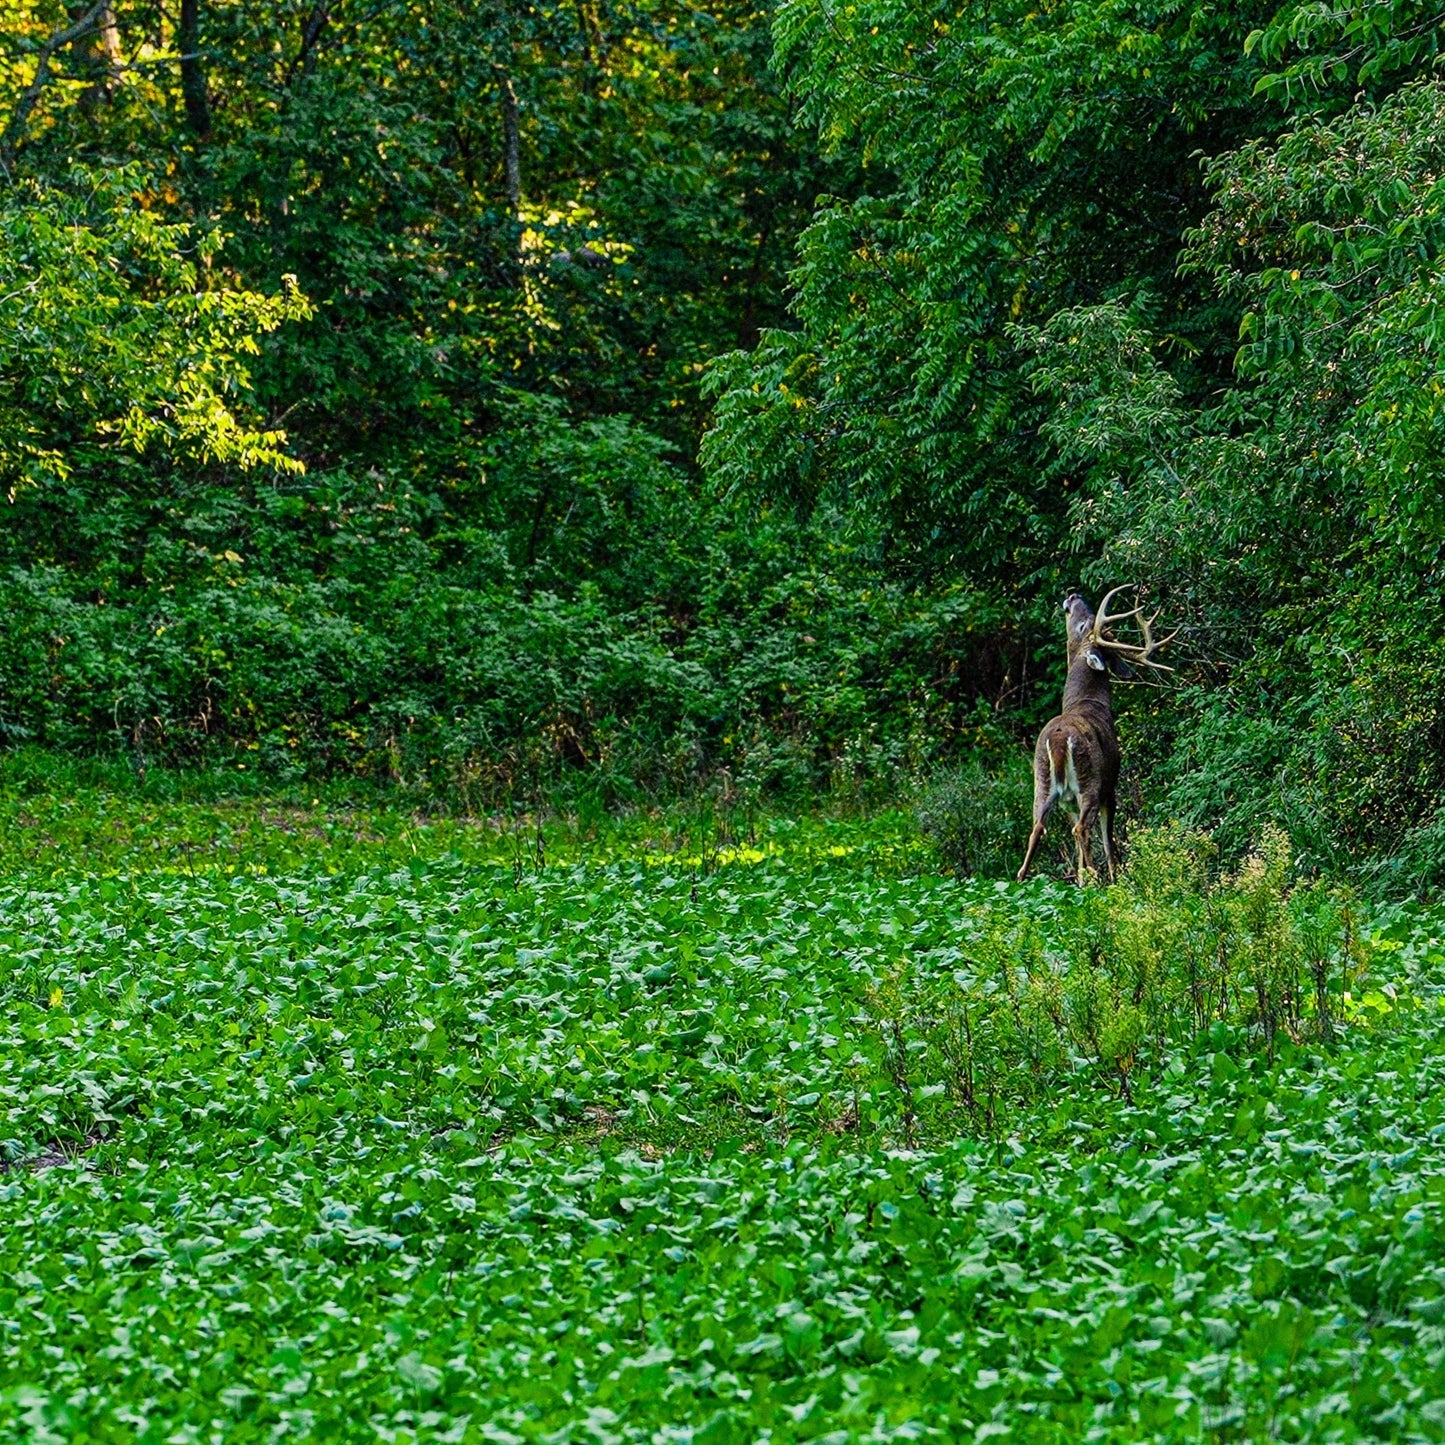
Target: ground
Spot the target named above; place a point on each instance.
(325, 1124)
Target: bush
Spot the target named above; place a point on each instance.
(1119, 981)
(978, 819)
(352, 626)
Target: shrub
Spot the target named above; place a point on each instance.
(978, 819)
(1119, 980)
(407, 666)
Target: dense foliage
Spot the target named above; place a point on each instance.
(636, 395)
(444, 1133)
(615, 400)
(1147, 292)
(448, 531)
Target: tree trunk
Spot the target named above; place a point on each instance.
(585, 27)
(109, 40)
(512, 140)
(104, 59)
(310, 34)
(748, 323)
(193, 71)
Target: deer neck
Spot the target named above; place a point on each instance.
(1087, 690)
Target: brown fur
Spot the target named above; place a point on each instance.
(1077, 758)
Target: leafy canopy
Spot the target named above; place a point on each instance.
(116, 331)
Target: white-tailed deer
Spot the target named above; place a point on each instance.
(1076, 761)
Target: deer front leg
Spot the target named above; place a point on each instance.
(1106, 814)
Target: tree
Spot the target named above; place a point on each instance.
(1020, 159)
(1296, 517)
(110, 338)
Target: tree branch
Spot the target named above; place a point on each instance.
(91, 20)
(310, 34)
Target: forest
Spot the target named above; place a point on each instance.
(532, 550)
(598, 401)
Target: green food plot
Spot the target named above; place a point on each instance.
(441, 1142)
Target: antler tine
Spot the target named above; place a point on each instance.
(1151, 643)
(1163, 640)
(1136, 653)
(1102, 618)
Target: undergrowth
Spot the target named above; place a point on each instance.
(1112, 981)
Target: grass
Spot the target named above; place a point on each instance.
(335, 1125)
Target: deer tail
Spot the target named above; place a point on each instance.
(1059, 750)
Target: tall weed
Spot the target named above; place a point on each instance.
(1122, 981)
(977, 818)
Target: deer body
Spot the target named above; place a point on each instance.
(1076, 761)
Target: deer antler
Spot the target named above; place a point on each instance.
(1138, 654)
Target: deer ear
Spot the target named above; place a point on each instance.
(1095, 661)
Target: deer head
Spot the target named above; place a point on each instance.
(1091, 636)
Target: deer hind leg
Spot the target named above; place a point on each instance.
(1044, 799)
(1034, 839)
(1083, 832)
(1106, 816)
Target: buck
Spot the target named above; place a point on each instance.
(1076, 761)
